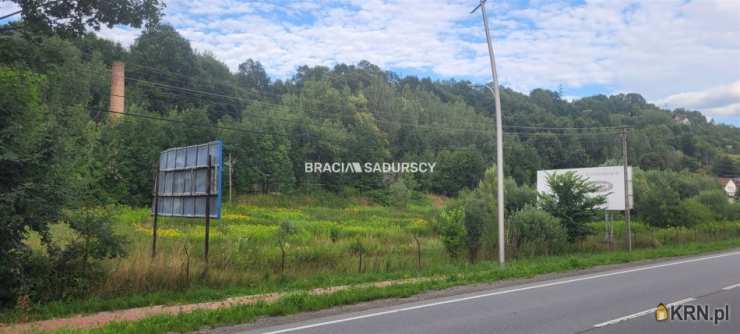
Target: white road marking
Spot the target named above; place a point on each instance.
(731, 287)
(641, 313)
(502, 292)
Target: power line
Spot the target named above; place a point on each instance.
(9, 15)
(281, 105)
(195, 92)
(219, 127)
(436, 127)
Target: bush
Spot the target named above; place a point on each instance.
(659, 195)
(418, 229)
(72, 270)
(380, 196)
(693, 213)
(357, 248)
(517, 197)
(718, 203)
(536, 232)
(451, 230)
(657, 203)
(456, 171)
(285, 233)
(476, 217)
(399, 194)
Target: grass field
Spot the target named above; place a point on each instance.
(482, 272)
(245, 256)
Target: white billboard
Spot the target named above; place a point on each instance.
(609, 179)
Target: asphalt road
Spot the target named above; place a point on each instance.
(615, 301)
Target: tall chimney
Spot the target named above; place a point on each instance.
(117, 90)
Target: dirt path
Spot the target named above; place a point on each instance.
(102, 318)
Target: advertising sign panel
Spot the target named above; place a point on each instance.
(182, 184)
(609, 179)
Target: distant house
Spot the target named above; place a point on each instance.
(681, 119)
(730, 185)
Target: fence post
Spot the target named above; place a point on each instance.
(156, 212)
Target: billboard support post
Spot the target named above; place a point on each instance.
(628, 230)
(208, 210)
(156, 211)
(231, 165)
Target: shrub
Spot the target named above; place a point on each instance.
(659, 195)
(693, 213)
(284, 233)
(77, 267)
(537, 231)
(334, 233)
(451, 230)
(399, 194)
(517, 197)
(718, 203)
(457, 170)
(418, 229)
(357, 248)
(571, 202)
(657, 203)
(475, 220)
(380, 196)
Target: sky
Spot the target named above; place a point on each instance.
(676, 53)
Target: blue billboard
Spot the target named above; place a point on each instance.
(183, 184)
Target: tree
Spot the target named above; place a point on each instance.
(660, 197)
(32, 196)
(572, 202)
(69, 17)
(725, 166)
(517, 197)
(451, 229)
(477, 216)
(76, 267)
(357, 248)
(418, 229)
(161, 59)
(692, 213)
(457, 170)
(718, 203)
(399, 194)
(286, 231)
(252, 76)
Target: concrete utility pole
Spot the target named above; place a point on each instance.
(627, 227)
(499, 137)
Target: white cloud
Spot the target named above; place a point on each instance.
(657, 48)
(124, 35)
(7, 7)
(716, 101)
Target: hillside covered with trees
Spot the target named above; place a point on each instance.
(177, 96)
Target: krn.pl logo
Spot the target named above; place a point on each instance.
(661, 312)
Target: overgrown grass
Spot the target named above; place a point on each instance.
(245, 255)
(482, 272)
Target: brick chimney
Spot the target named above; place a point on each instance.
(117, 90)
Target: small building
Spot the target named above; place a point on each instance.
(730, 185)
(681, 119)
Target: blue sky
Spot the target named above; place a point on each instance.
(676, 53)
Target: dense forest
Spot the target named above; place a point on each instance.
(56, 90)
